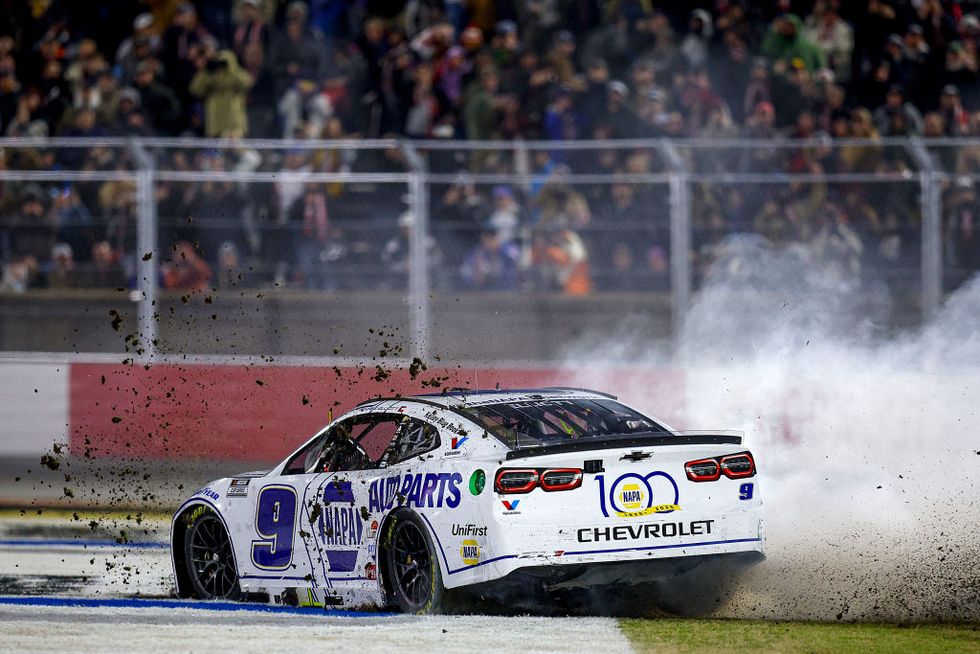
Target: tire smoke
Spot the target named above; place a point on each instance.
(868, 444)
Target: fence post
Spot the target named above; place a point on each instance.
(680, 240)
(146, 242)
(932, 225)
(418, 269)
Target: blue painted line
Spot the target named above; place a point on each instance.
(133, 603)
(665, 547)
(277, 577)
(79, 542)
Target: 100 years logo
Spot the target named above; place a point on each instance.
(634, 495)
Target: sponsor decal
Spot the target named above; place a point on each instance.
(374, 528)
(238, 488)
(469, 530)
(458, 441)
(431, 489)
(275, 526)
(339, 526)
(633, 495)
(469, 551)
(371, 571)
(478, 481)
(207, 492)
(510, 506)
(644, 531)
(451, 453)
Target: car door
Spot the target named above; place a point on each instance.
(275, 550)
(345, 522)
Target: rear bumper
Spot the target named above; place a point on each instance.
(636, 541)
(626, 572)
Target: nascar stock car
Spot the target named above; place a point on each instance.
(402, 498)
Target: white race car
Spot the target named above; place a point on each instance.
(403, 498)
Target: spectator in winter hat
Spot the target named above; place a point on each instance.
(785, 41)
(450, 72)
(506, 216)
(250, 28)
(951, 108)
(223, 86)
(559, 259)
(560, 58)
(895, 104)
(157, 101)
(829, 32)
(298, 52)
(143, 31)
(694, 46)
(61, 269)
(505, 43)
(32, 230)
(492, 265)
(185, 43)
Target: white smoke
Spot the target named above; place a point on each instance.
(868, 445)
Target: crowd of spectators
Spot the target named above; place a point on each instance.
(554, 70)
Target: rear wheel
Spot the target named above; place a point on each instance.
(209, 558)
(414, 577)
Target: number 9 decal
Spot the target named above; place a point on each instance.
(745, 491)
(275, 523)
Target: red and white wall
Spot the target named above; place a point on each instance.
(228, 410)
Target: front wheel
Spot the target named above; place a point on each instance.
(414, 577)
(209, 558)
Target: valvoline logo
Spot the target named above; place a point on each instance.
(510, 505)
(458, 442)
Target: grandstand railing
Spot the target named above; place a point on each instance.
(687, 179)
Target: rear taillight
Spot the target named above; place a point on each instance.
(560, 479)
(733, 466)
(738, 465)
(525, 480)
(516, 481)
(702, 470)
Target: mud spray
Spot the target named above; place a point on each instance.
(868, 446)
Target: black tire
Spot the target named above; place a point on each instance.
(209, 558)
(414, 579)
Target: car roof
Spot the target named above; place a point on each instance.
(457, 397)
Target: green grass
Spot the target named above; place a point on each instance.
(671, 635)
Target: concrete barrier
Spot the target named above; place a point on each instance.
(33, 407)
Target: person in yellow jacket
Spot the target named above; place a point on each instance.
(223, 86)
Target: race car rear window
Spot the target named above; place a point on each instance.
(547, 422)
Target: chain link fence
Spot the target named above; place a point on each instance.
(298, 247)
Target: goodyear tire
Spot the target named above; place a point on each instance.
(414, 579)
(209, 558)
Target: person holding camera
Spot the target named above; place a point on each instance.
(223, 87)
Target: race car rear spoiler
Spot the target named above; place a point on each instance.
(631, 441)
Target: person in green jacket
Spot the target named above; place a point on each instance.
(223, 86)
(785, 41)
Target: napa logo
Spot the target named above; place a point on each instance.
(469, 551)
(633, 495)
(458, 442)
